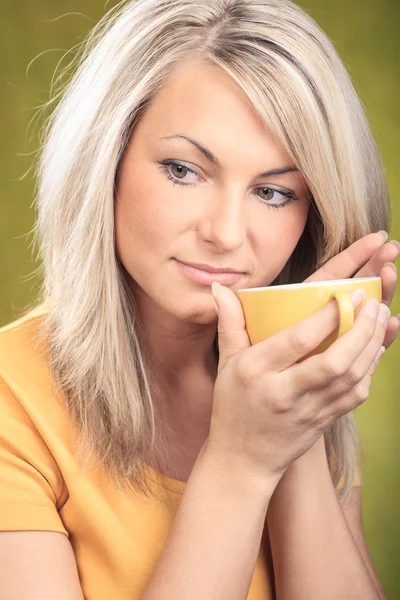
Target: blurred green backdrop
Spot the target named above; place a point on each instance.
(365, 32)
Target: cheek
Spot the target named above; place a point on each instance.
(280, 227)
(145, 221)
(276, 236)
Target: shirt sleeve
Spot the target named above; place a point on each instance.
(30, 481)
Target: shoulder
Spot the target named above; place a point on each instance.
(34, 433)
(23, 362)
(28, 397)
(23, 323)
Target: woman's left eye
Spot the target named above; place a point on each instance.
(182, 170)
(270, 192)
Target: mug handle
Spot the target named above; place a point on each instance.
(346, 310)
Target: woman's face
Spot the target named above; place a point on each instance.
(176, 204)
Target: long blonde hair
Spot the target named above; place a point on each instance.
(292, 75)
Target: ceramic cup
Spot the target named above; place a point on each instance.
(269, 310)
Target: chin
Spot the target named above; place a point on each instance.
(198, 316)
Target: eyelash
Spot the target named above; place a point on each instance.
(291, 197)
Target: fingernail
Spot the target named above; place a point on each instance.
(214, 289)
(384, 234)
(384, 314)
(371, 307)
(379, 355)
(357, 296)
(395, 243)
(390, 264)
(216, 307)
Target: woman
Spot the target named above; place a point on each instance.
(225, 135)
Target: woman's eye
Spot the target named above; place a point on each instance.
(269, 193)
(178, 172)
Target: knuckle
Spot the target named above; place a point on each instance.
(333, 366)
(307, 415)
(323, 420)
(361, 393)
(299, 341)
(247, 371)
(279, 403)
(353, 376)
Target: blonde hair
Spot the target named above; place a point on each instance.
(292, 75)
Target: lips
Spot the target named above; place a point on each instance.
(203, 277)
(210, 269)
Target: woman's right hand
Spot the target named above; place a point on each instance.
(268, 410)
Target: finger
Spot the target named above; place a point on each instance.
(232, 334)
(362, 363)
(374, 365)
(392, 329)
(317, 371)
(353, 398)
(283, 349)
(338, 407)
(347, 262)
(386, 253)
(389, 281)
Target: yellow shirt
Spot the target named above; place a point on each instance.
(116, 540)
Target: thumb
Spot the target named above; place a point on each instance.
(232, 334)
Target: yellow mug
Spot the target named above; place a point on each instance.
(269, 310)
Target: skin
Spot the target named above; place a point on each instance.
(225, 219)
(221, 214)
(180, 320)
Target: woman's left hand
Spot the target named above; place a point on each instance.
(367, 257)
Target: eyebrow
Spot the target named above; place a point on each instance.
(211, 157)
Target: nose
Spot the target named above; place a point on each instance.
(224, 223)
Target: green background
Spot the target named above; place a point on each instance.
(365, 32)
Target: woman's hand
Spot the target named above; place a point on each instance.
(268, 409)
(367, 257)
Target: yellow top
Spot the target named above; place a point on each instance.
(116, 540)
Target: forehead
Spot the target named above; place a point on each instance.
(202, 101)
